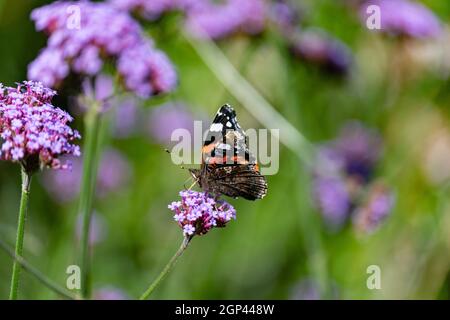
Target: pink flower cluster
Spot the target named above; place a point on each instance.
(83, 34)
(215, 21)
(405, 18)
(146, 71)
(206, 18)
(199, 212)
(32, 131)
(150, 10)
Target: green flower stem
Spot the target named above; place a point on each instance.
(166, 269)
(36, 273)
(90, 166)
(26, 182)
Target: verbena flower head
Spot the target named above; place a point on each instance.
(32, 131)
(360, 149)
(199, 212)
(317, 47)
(405, 17)
(285, 16)
(150, 10)
(354, 153)
(83, 34)
(343, 175)
(146, 71)
(217, 20)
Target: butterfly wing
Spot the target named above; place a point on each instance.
(228, 167)
(240, 180)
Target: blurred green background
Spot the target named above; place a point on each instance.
(279, 242)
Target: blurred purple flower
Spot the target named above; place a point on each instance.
(114, 172)
(360, 149)
(199, 212)
(285, 16)
(333, 199)
(82, 49)
(165, 119)
(329, 161)
(404, 17)
(375, 210)
(209, 19)
(97, 231)
(150, 10)
(343, 171)
(126, 118)
(33, 131)
(146, 71)
(317, 47)
(49, 67)
(110, 293)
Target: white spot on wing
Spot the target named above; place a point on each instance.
(224, 146)
(216, 127)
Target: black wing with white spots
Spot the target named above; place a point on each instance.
(228, 167)
(226, 140)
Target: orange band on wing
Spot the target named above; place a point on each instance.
(208, 148)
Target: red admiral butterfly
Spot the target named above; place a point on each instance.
(228, 167)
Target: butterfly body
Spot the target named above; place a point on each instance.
(228, 167)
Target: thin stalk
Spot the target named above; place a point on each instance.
(166, 269)
(90, 166)
(26, 183)
(35, 272)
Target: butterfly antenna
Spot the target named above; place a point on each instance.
(193, 184)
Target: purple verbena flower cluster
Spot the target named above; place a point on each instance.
(343, 185)
(205, 18)
(317, 47)
(404, 17)
(150, 10)
(199, 212)
(83, 34)
(146, 71)
(33, 131)
(212, 20)
(285, 16)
